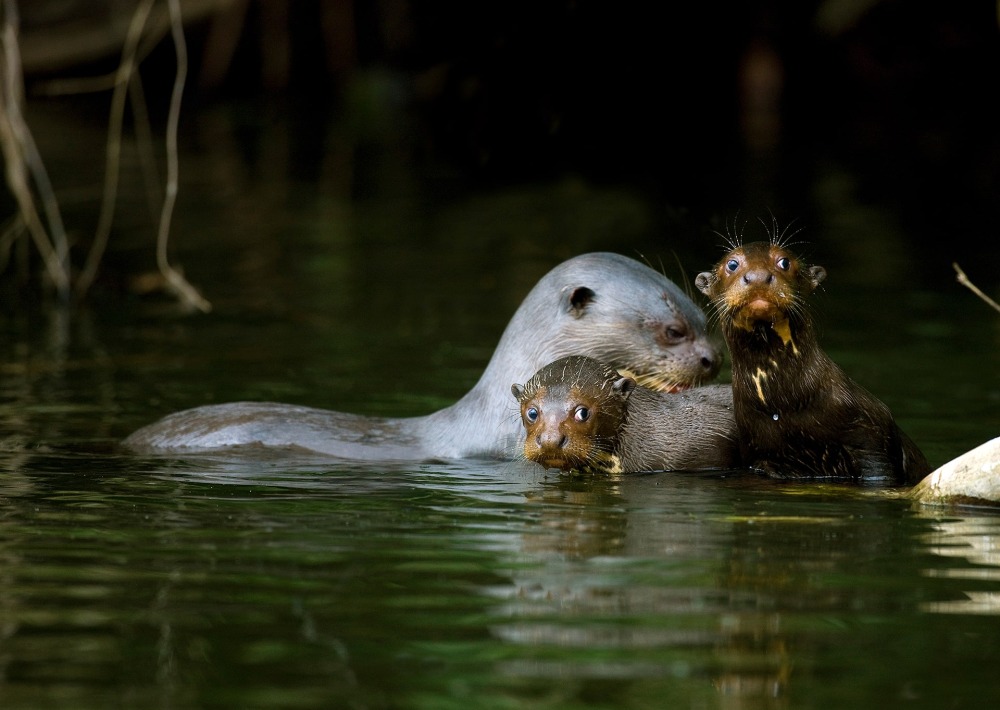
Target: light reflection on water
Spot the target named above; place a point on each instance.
(494, 575)
(974, 544)
(290, 580)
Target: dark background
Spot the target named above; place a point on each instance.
(718, 112)
(903, 92)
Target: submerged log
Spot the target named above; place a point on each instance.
(970, 479)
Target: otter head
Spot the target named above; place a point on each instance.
(619, 311)
(572, 410)
(760, 284)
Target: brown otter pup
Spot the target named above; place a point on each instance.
(602, 304)
(798, 414)
(581, 414)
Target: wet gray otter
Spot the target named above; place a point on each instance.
(798, 413)
(581, 414)
(600, 304)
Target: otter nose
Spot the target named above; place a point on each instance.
(710, 361)
(551, 440)
(758, 276)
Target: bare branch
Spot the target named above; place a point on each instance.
(21, 156)
(174, 278)
(964, 280)
(114, 147)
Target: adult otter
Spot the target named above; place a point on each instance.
(798, 414)
(601, 304)
(581, 414)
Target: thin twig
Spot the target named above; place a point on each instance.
(50, 205)
(174, 278)
(114, 147)
(21, 155)
(12, 231)
(39, 174)
(964, 280)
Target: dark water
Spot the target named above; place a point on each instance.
(371, 286)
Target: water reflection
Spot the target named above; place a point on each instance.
(625, 570)
(705, 591)
(972, 547)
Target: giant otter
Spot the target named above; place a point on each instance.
(798, 414)
(604, 305)
(581, 414)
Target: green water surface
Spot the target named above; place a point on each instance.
(284, 581)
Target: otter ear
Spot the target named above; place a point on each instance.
(705, 282)
(624, 385)
(816, 275)
(517, 390)
(579, 299)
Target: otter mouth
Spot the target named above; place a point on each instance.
(756, 311)
(563, 463)
(556, 462)
(760, 305)
(660, 383)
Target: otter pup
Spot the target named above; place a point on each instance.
(581, 414)
(606, 305)
(798, 414)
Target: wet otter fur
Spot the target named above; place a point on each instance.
(600, 304)
(581, 414)
(798, 413)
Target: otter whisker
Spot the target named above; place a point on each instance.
(732, 240)
(779, 236)
(718, 308)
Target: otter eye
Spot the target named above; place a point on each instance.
(783, 263)
(581, 414)
(732, 265)
(674, 334)
(531, 415)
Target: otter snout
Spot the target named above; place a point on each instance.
(552, 449)
(710, 359)
(762, 277)
(549, 439)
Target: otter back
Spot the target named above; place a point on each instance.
(603, 304)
